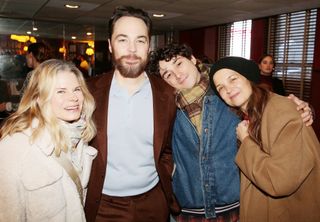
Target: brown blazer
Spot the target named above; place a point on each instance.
(164, 115)
(280, 183)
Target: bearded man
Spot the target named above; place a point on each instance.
(131, 176)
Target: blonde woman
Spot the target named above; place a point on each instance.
(45, 161)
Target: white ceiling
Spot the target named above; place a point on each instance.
(51, 17)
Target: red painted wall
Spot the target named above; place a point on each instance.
(203, 41)
(259, 36)
(195, 39)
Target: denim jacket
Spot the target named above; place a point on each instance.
(206, 175)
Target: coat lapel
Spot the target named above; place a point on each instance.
(100, 89)
(160, 108)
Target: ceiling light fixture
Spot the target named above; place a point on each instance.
(29, 32)
(62, 49)
(32, 39)
(89, 51)
(71, 6)
(89, 33)
(158, 15)
(73, 37)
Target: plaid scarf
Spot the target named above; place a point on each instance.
(190, 100)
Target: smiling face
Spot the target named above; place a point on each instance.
(129, 45)
(233, 88)
(266, 66)
(180, 72)
(67, 97)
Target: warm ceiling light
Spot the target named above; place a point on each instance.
(89, 51)
(23, 38)
(89, 33)
(73, 37)
(71, 6)
(29, 32)
(91, 44)
(62, 49)
(35, 29)
(20, 38)
(33, 39)
(158, 15)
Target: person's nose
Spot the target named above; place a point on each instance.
(228, 89)
(73, 96)
(177, 74)
(132, 46)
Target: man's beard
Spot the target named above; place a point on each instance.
(129, 71)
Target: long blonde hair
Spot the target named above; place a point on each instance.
(35, 104)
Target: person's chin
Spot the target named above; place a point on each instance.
(71, 118)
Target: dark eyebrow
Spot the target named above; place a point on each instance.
(120, 35)
(218, 86)
(143, 36)
(232, 76)
(229, 77)
(164, 73)
(126, 36)
(175, 59)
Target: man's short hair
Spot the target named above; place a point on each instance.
(130, 12)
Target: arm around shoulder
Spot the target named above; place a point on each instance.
(285, 160)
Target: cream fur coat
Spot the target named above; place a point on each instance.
(33, 186)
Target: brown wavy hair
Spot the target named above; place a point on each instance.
(256, 105)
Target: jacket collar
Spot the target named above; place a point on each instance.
(43, 141)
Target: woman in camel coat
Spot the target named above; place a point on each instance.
(279, 156)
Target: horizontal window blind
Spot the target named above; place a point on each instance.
(235, 39)
(291, 42)
(224, 40)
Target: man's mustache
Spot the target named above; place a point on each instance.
(130, 57)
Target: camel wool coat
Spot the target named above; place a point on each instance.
(281, 180)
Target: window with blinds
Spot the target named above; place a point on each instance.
(291, 42)
(235, 39)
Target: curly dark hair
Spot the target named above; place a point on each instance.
(166, 53)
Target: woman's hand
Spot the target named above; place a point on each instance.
(242, 130)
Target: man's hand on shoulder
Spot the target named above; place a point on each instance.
(307, 114)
